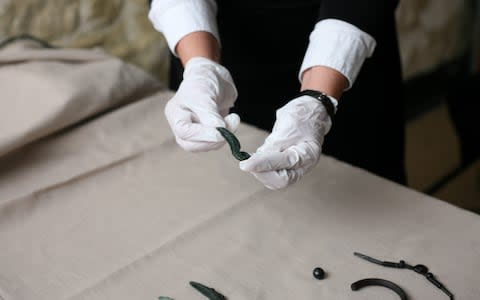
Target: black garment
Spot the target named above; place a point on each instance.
(263, 45)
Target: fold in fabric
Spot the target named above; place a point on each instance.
(47, 89)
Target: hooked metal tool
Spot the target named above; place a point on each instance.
(420, 269)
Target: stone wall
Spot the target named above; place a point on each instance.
(432, 32)
(121, 27)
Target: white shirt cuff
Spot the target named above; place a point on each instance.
(340, 46)
(177, 18)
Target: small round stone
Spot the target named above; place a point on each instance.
(318, 273)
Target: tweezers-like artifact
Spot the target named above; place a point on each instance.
(234, 144)
(208, 292)
(420, 269)
(379, 282)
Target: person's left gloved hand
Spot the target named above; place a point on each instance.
(294, 146)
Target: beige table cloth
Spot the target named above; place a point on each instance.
(114, 209)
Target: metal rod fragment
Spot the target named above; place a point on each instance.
(208, 292)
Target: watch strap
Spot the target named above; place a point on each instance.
(323, 98)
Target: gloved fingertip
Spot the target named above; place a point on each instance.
(274, 180)
(208, 147)
(212, 134)
(251, 164)
(243, 165)
(196, 147)
(214, 123)
(219, 137)
(232, 122)
(270, 187)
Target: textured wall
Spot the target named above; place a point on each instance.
(431, 31)
(121, 27)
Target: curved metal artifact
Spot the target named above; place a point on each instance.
(234, 144)
(379, 282)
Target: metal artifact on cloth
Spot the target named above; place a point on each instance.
(420, 269)
(208, 292)
(379, 282)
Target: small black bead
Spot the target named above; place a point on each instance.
(319, 273)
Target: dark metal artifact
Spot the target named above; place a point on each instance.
(420, 269)
(234, 144)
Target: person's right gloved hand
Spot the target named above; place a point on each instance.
(201, 104)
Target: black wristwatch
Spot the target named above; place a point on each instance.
(322, 97)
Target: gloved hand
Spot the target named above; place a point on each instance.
(294, 146)
(201, 104)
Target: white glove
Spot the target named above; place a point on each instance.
(294, 146)
(201, 104)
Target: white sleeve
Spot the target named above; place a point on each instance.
(177, 18)
(340, 46)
